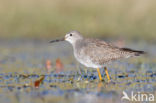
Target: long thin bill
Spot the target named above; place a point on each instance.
(57, 40)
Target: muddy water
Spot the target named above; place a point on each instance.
(24, 62)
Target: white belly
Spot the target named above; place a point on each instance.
(86, 61)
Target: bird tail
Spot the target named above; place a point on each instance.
(136, 52)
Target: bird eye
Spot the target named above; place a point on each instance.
(70, 34)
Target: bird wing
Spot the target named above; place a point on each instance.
(101, 52)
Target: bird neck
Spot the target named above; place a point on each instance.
(77, 44)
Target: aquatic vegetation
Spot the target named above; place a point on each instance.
(30, 75)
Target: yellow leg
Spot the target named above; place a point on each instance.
(106, 71)
(98, 70)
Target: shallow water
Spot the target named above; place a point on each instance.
(23, 62)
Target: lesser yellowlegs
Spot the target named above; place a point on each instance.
(96, 53)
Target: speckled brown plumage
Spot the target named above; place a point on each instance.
(100, 52)
(96, 53)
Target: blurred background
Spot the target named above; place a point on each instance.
(33, 70)
(41, 19)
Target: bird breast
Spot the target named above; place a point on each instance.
(85, 59)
